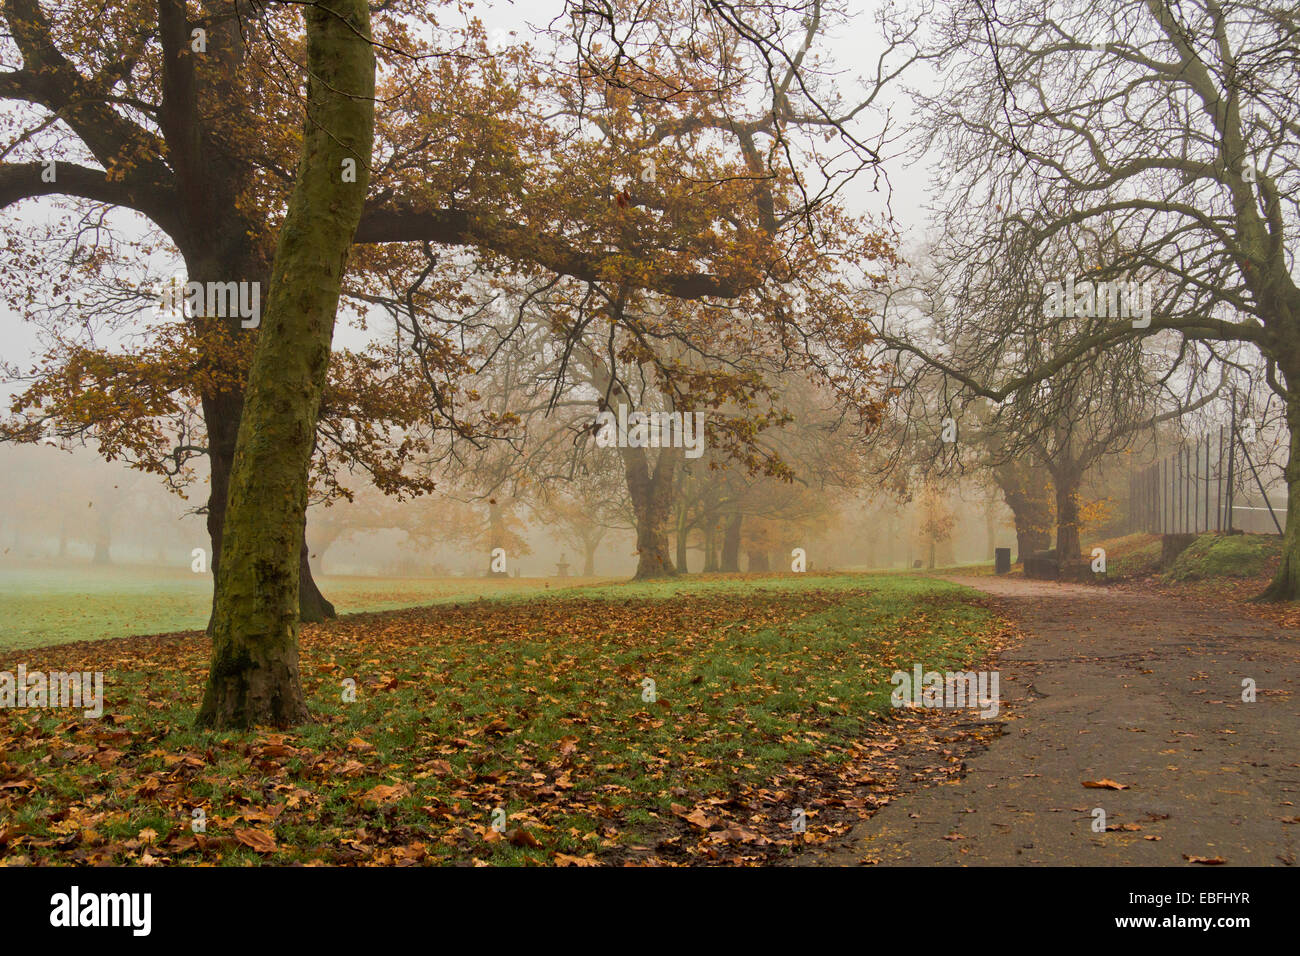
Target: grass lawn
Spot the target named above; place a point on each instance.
(764, 686)
(1227, 556)
(42, 605)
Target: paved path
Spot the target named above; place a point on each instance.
(1141, 689)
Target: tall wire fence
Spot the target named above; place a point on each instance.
(1208, 485)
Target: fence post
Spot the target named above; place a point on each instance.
(1196, 488)
(1232, 459)
(1132, 522)
(1182, 489)
(1206, 509)
(1165, 510)
(1153, 493)
(1218, 507)
(1151, 497)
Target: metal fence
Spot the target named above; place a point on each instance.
(1203, 487)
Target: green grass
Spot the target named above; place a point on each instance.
(48, 605)
(535, 706)
(1226, 556)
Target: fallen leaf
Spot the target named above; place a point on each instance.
(260, 841)
(385, 793)
(521, 837)
(564, 859)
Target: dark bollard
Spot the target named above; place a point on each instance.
(1002, 560)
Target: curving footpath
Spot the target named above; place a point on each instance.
(1140, 689)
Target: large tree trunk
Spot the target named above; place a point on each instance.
(711, 546)
(1027, 491)
(1030, 540)
(254, 672)
(589, 557)
(1285, 585)
(221, 414)
(651, 495)
(731, 542)
(1067, 482)
(682, 534)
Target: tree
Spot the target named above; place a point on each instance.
(182, 140)
(254, 630)
(936, 519)
(586, 508)
(1174, 124)
(1027, 489)
(163, 113)
(778, 490)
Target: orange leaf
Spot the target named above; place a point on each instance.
(384, 793)
(564, 859)
(260, 841)
(521, 837)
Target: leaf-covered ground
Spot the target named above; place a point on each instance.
(1217, 570)
(772, 696)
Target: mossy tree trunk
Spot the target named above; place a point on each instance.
(216, 236)
(1285, 585)
(221, 413)
(254, 629)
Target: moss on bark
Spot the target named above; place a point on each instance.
(254, 629)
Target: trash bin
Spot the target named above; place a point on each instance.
(1002, 560)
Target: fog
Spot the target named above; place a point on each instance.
(68, 510)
